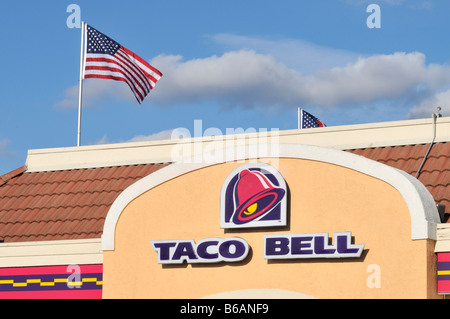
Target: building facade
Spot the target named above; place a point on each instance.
(355, 211)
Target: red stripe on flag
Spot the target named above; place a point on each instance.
(147, 78)
(111, 63)
(130, 53)
(116, 78)
(132, 77)
(136, 71)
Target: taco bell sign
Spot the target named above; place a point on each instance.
(254, 195)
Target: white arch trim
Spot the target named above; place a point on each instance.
(421, 205)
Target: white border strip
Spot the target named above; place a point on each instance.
(423, 211)
(410, 132)
(51, 252)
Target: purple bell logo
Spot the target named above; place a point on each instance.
(253, 195)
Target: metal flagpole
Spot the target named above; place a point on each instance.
(299, 118)
(80, 83)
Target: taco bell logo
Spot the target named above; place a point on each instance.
(253, 195)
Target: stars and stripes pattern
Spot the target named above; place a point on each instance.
(307, 120)
(107, 59)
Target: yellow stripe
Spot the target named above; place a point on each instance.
(51, 283)
(47, 283)
(75, 283)
(89, 279)
(60, 280)
(444, 272)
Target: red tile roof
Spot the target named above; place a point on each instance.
(435, 173)
(72, 204)
(69, 204)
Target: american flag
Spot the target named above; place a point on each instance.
(107, 59)
(306, 120)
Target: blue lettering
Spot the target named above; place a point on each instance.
(208, 250)
(164, 249)
(226, 251)
(313, 245)
(184, 250)
(277, 246)
(234, 249)
(298, 243)
(202, 249)
(319, 246)
(343, 242)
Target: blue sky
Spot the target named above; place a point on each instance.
(231, 64)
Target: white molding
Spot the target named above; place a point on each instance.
(423, 211)
(339, 137)
(51, 253)
(443, 238)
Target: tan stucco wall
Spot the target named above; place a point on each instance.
(323, 198)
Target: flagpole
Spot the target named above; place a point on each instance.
(299, 118)
(80, 83)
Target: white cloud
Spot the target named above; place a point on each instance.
(4, 150)
(377, 77)
(103, 140)
(237, 78)
(294, 53)
(162, 135)
(95, 92)
(247, 78)
(428, 106)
